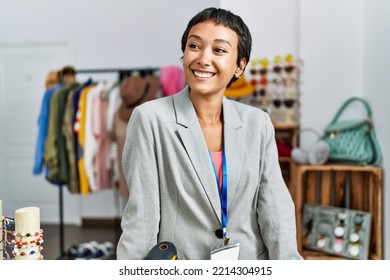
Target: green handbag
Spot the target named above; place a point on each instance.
(353, 141)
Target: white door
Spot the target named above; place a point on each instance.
(23, 70)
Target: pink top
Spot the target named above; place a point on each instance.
(103, 175)
(217, 158)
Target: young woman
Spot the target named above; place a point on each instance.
(201, 168)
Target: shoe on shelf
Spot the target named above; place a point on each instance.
(71, 253)
(90, 251)
(103, 251)
(86, 250)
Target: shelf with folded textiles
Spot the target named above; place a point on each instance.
(335, 185)
(284, 133)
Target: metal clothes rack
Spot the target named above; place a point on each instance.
(123, 74)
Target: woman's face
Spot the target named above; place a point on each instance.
(210, 58)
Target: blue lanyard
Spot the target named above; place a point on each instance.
(222, 191)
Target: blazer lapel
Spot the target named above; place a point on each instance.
(233, 140)
(195, 145)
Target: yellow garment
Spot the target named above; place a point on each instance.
(84, 186)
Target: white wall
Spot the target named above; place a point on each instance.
(376, 58)
(344, 45)
(116, 33)
(331, 48)
(273, 24)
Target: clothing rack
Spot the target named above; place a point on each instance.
(123, 74)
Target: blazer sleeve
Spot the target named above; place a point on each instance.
(141, 217)
(275, 210)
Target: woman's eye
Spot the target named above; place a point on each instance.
(219, 50)
(193, 46)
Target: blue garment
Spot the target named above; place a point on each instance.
(76, 98)
(43, 122)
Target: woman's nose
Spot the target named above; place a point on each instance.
(205, 57)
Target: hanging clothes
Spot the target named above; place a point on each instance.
(134, 91)
(119, 129)
(102, 165)
(63, 164)
(43, 123)
(67, 130)
(52, 79)
(172, 79)
(114, 102)
(52, 157)
(82, 129)
(90, 144)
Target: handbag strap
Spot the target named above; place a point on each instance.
(346, 104)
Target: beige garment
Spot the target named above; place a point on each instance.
(119, 131)
(52, 79)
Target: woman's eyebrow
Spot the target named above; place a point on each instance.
(195, 37)
(223, 41)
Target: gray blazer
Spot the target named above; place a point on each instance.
(173, 191)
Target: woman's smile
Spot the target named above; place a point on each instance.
(202, 74)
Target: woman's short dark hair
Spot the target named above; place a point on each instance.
(230, 20)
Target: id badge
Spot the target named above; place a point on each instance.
(221, 251)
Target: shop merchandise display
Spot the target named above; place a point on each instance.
(78, 145)
(240, 88)
(5, 249)
(7, 226)
(22, 237)
(76, 140)
(353, 141)
(337, 231)
(276, 88)
(28, 236)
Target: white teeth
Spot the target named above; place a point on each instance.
(203, 74)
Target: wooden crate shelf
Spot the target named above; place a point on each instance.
(284, 133)
(326, 185)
